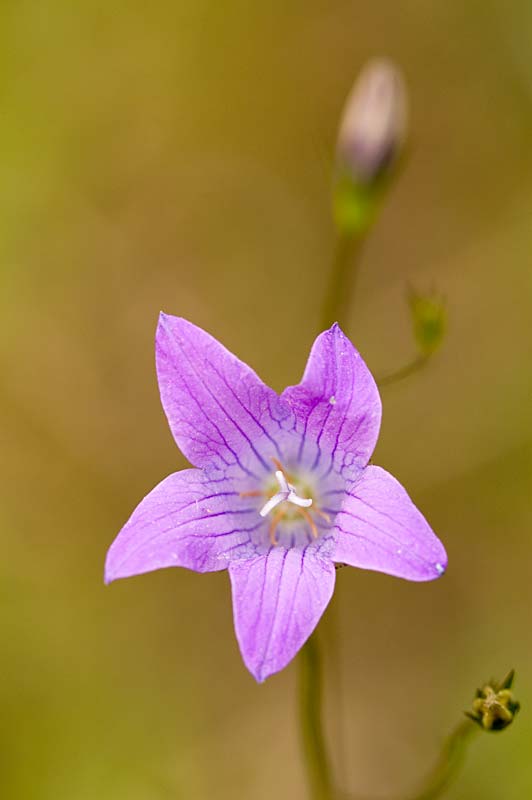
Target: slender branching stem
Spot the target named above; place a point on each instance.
(404, 372)
(447, 767)
(341, 282)
(450, 761)
(338, 296)
(310, 709)
(319, 774)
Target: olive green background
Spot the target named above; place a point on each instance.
(177, 155)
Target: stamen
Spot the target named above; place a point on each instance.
(321, 514)
(273, 527)
(252, 493)
(310, 521)
(278, 465)
(280, 468)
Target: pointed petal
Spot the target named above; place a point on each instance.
(337, 405)
(278, 599)
(220, 412)
(379, 527)
(186, 521)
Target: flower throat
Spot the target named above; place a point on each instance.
(286, 504)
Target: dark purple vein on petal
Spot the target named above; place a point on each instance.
(276, 610)
(222, 408)
(246, 409)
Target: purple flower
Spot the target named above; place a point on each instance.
(281, 492)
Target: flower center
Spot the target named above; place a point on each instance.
(286, 494)
(288, 506)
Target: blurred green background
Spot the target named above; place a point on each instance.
(177, 155)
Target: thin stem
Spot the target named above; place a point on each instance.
(335, 307)
(450, 762)
(310, 712)
(332, 644)
(404, 372)
(340, 287)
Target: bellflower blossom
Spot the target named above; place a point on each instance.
(281, 490)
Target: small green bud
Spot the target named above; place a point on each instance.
(429, 320)
(494, 706)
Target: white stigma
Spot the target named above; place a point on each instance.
(287, 493)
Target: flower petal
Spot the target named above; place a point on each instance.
(278, 599)
(189, 521)
(220, 412)
(337, 405)
(378, 527)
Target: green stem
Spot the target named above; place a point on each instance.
(450, 762)
(340, 287)
(404, 372)
(338, 296)
(335, 307)
(310, 711)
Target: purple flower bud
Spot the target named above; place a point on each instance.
(374, 122)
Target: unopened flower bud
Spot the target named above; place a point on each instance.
(374, 122)
(494, 706)
(429, 321)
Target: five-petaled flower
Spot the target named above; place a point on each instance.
(281, 490)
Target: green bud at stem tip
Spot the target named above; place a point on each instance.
(495, 706)
(429, 320)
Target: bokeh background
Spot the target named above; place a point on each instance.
(177, 155)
